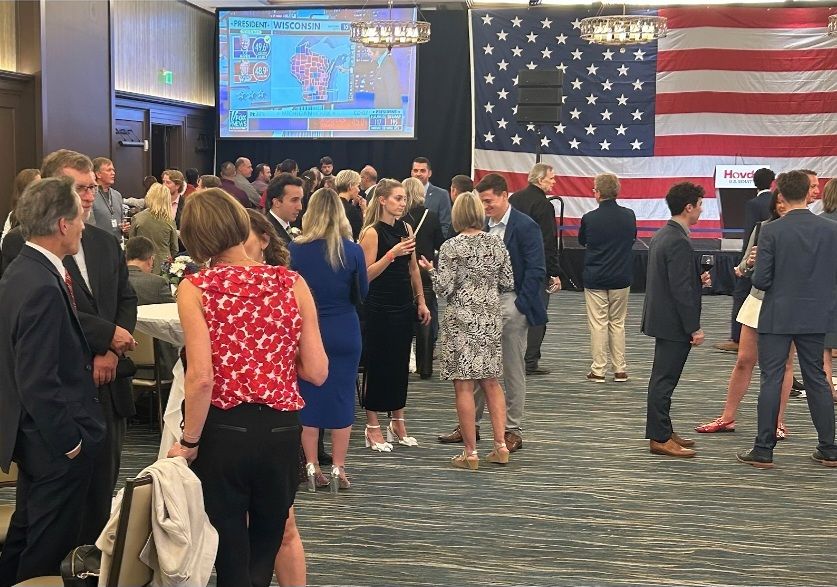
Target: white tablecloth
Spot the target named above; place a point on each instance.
(162, 321)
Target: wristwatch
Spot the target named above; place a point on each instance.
(186, 444)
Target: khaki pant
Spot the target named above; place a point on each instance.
(606, 312)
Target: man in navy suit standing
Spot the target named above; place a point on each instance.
(51, 423)
(435, 198)
(672, 314)
(797, 270)
(522, 308)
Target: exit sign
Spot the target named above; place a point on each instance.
(166, 77)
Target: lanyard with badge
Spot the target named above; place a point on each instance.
(109, 204)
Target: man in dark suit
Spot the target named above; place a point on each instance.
(532, 201)
(755, 210)
(368, 180)
(796, 267)
(436, 199)
(284, 203)
(51, 421)
(107, 310)
(672, 314)
(608, 233)
(524, 307)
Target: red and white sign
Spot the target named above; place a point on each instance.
(736, 176)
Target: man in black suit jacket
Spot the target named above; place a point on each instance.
(283, 203)
(671, 314)
(796, 268)
(532, 201)
(107, 310)
(51, 423)
(755, 210)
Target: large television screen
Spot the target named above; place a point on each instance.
(294, 74)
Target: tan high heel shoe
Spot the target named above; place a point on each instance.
(500, 454)
(466, 461)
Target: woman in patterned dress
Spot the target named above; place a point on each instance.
(474, 267)
(250, 331)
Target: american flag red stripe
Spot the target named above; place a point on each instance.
(733, 85)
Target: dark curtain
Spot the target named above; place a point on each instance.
(443, 118)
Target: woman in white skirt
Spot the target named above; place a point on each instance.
(748, 316)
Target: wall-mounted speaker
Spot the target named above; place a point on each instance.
(539, 96)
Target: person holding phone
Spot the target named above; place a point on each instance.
(394, 303)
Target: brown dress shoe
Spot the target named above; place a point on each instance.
(685, 442)
(670, 448)
(514, 441)
(455, 436)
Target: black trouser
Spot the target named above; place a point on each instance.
(426, 335)
(105, 470)
(247, 463)
(739, 294)
(535, 336)
(49, 509)
(773, 354)
(669, 359)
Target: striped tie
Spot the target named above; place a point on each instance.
(69, 281)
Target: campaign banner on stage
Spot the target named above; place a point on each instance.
(736, 176)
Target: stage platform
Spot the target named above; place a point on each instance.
(583, 503)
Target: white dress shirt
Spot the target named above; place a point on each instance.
(499, 227)
(82, 267)
(282, 223)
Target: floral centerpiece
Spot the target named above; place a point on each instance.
(174, 270)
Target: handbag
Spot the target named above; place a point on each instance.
(81, 567)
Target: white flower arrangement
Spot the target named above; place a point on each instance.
(294, 232)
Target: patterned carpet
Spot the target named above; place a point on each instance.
(583, 503)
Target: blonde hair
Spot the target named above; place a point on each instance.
(383, 189)
(829, 196)
(345, 180)
(467, 212)
(212, 222)
(158, 202)
(415, 192)
(325, 219)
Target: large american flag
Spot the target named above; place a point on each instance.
(727, 85)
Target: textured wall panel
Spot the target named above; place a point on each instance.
(150, 36)
(8, 38)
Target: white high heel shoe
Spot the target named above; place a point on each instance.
(377, 446)
(392, 436)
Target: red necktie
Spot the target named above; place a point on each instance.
(69, 281)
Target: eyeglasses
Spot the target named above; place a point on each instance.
(86, 188)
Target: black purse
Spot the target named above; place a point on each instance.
(81, 567)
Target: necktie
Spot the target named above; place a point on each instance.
(69, 281)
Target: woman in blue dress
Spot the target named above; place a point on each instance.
(335, 270)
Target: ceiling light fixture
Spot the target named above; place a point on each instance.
(624, 29)
(390, 33)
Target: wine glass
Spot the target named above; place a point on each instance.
(707, 262)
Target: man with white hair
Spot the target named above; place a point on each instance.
(532, 201)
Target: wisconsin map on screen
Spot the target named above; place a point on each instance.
(296, 74)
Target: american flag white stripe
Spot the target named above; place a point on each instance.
(746, 82)
(746, 124)
(746, 39)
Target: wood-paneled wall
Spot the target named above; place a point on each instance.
(149, 36)
(8, 37)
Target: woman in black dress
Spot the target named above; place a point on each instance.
(394, 302)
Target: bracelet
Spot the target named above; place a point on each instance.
(389, 256)
(417, 296)
(184, 443)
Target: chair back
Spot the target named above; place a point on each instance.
(143, 354)
(9, 479)
(132, 533)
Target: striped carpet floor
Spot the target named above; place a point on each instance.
(583, 503)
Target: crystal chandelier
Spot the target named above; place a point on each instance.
(390, 33)
(625, 29)
(832, 24)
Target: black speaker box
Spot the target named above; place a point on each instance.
(539, 96)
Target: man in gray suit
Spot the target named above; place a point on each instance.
(797, 270)
(150, 288)
(672, 314)
(243, 171)
(435, 198)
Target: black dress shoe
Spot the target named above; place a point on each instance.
(797, 385)
(824, 460)
(749, 457)
(538, 371)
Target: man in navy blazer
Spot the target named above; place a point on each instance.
(671, 314)
(797, 269)
(435, 198)
(51, 423)
(524, 307)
